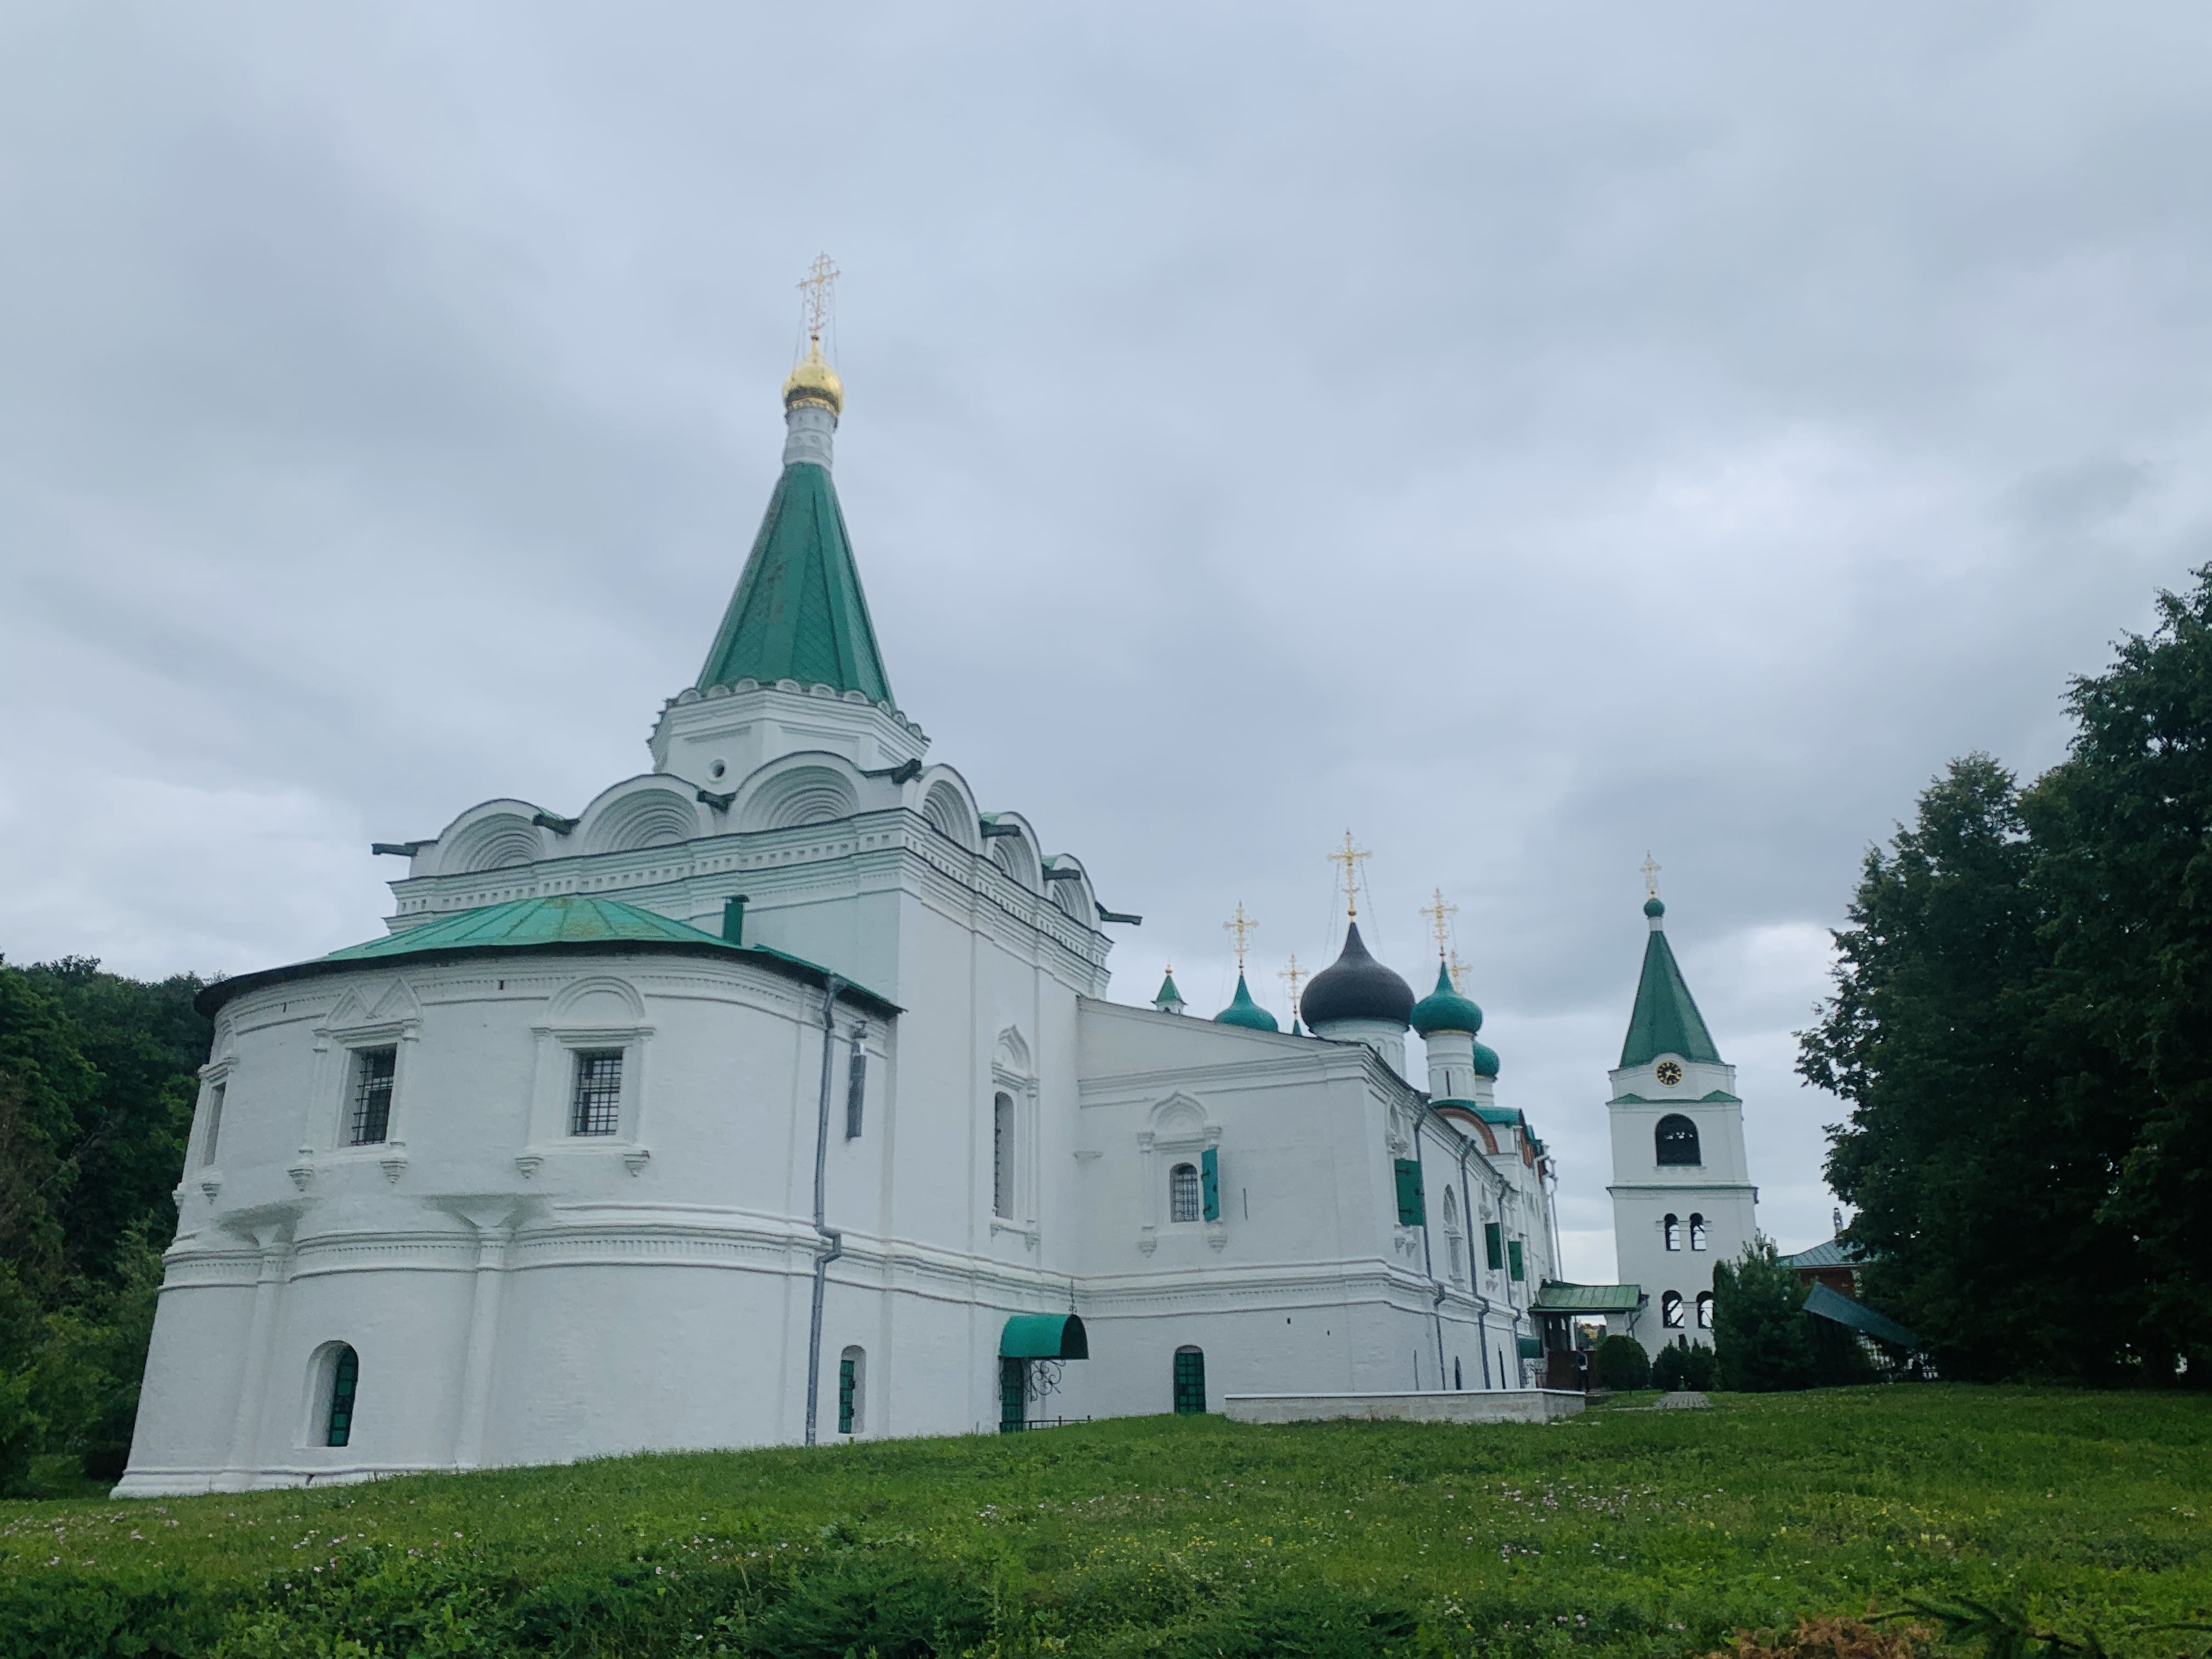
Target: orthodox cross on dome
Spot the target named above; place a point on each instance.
(1458, 974)
(1350, 858)
(1243, 927)
(1650, 867)
(821, 276)
(1440, 915)
(1291, 975)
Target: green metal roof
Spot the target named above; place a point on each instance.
(1445, 1010)
(1044, 1336)
(1168, 992)
(799, 613)
(1666, 1020)
(1556, 1295)
(1823, 1304)
(1243, 1011)
(1828, 1253)
(560, 919)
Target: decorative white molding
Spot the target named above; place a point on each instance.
(393, 1160)
(529, 1163)
(303, 1170)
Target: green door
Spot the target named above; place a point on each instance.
(1014, 1387)
(1190, 1383)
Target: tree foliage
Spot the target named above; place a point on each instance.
(2022, 1027)
(97, 1079)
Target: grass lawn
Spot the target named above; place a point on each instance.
(1618, 1531)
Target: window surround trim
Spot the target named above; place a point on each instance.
(1158, 1154)
(328, 1141)
(203, 1149)
(1021, 1089)
(552, 1099)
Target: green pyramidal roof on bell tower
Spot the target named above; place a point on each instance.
(1666, 1020)
(799, 613)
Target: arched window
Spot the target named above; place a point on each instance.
(1189, 1382)
(1670, 1310)
(1704, 1310)
(1002, 1155)
(1676, 1140)
(344, 1381)
(1455, 1244)
(1671, 1228)
(852, 1391)
(1182, 1193)
(1696, 1232)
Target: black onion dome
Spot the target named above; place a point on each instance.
(1357, 987)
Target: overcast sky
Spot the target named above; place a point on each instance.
(1527, 439)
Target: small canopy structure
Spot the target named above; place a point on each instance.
(1556, 1295)
(1823, 1304)
(1044, 1336)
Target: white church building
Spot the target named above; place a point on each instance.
(774, 1097)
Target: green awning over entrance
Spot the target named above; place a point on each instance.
(1044, 1336)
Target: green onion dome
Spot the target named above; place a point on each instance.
(1246, 1012)
(1486, 1061)
(1445, 1010)
(1356, 986)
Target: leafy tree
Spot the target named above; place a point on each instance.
(1621, 1364)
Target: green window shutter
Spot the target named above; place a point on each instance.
(1493, 1244)
(1412, 1211)
(1209, 1184)
(1513, 1257)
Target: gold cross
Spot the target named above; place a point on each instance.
(1291, 975)
(1458, 974)
(816, 287)
(1439, 914)
(1650, 877)
(1242, 925)
(1350, 858)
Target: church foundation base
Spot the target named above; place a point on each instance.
(1497, 1406)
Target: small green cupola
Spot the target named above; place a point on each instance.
(1445, 1010)
(1243, 1011)
(1665, 1020)
(1169, 1001)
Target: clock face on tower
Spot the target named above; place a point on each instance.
(1669, 1074)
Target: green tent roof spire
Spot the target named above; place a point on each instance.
(1246, 1012)
(799, 612)
(1666, 1020)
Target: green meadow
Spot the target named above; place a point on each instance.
(1623, 1531)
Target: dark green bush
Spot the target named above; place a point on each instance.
(1622, 1364)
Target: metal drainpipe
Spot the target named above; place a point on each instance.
(830, 986)
(1428, 1262)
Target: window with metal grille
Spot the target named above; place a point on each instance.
(1002, 1155)
(1183, 1196)
(1704, 1310)
(345, 1378)
(856, 1087)
(215, 1123)
(1675, 1140)
(850, 1381)
(597, 1107)
(1696, 1232)
(1190, 1383)
(373, 1072)
(1673, 1229)
(1670, 1310)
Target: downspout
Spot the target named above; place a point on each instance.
(830, 985)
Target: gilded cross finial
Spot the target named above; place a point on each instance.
(820, 276)
(1291, 975)
(1458, 974)
(1440, 915)
(1350, 858)
(1243, 927)
(1650, 877)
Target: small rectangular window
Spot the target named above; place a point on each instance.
(847, 1381)
(1183, 1202)
(215, 1122)
(1513, 1259)
(596, 1109)
(1493, 1244)
(1002, 1155)
(856, 1089)
(373, 1069)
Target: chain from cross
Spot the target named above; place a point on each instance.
(1350, 858)
(1243, 927)
(816, 287)
(1291, 974)
(1650, 867)
(1440, 915)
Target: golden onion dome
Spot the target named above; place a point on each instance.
(815, 382)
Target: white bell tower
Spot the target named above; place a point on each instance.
(1682, 1197)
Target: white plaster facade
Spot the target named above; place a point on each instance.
(513, 1292)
